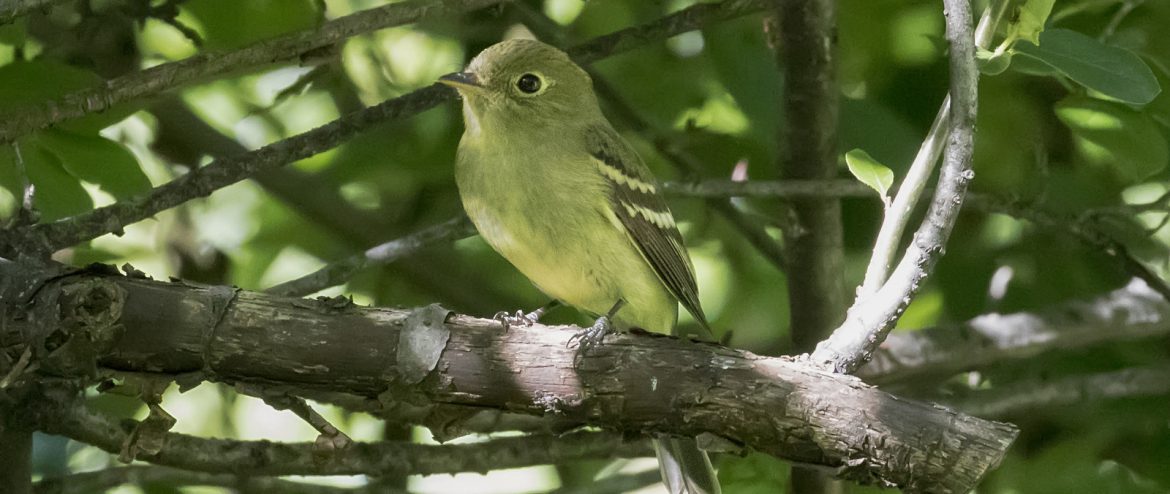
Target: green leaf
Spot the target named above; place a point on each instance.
(992, 63)
(1113, 71)
(97, 160)
(29, 84)
(877, 176)
(1113, 135)
(1029, 19)
(228, 24)
(57, 193)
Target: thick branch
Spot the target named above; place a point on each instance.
(871, 319)
(633, 383)
(226, 171)
(206, 66)
(1130, 313)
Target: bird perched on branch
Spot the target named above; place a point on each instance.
(552, 187)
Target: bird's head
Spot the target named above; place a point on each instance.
(523, 82)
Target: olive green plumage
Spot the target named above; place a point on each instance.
(552, 187)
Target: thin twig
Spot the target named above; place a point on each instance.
(898, 215)
(339, 272)
(220, 173)
(208, 65)
(871, 319)
(1134, 312)
(783, 189)
(1084, 230)
(1045, 394)
(103, 480)
(330, 440)
(73, 420)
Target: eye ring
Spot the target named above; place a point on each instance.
(530, 83)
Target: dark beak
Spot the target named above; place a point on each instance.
(460, 80)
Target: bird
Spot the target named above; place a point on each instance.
(552, 187)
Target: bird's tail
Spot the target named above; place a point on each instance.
(685, 468)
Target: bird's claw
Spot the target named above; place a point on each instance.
(519, 319)
(590, 337)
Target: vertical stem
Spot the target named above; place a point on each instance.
(15, 459)
(805, 48)
(808, 37)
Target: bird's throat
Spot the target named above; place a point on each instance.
(470, 120)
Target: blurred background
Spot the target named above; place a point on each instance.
(1045, 145)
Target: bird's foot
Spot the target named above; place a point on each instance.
(519, 319)
(590, 337)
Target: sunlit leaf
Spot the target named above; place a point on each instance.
(1113, 135)
(97, 160)
(58, 194)
(871, 173)
(1109, 70)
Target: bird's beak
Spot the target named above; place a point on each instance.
(461, 80)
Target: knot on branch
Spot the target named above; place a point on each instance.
(84, 324)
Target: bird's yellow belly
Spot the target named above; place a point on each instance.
(590, 272)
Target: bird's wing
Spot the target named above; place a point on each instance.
(635, 201)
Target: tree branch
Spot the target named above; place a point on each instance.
(786, 189)
(633, 383)
(1044, 394)
(814, 246)
(805, 46)
(104, 480)
(10, 10)
(220, 173)
(208, 65)
(868, 322)
(338, 272)
(898, 214)
(229, 170)
(71, 419)
(1130, 313)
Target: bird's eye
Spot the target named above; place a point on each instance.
(529, 83)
